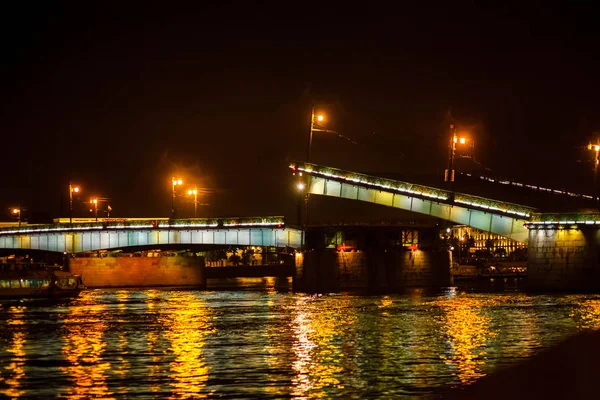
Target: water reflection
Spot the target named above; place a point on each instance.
(153, 344)
(121, 367)
(187, 323)
(84, 325)
(319, 326)
(587, 314)
(467, 331)
(269, 343)
(16, 366)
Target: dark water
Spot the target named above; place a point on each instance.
(271, 343)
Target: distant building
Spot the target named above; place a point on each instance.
(485, 240)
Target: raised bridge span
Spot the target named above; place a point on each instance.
(120, 233)
(502, 218)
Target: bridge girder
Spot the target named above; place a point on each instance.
(105, 239)
(506, 226)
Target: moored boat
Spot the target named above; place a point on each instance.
(35, 281)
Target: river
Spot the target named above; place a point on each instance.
(255, 338)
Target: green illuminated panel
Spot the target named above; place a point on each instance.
(384, 198)
(410, 189)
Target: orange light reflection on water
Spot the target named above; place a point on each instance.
(17, 364)
(586, 313)
(122, 367)
(317, 345)
(84, 344)
(467, 331)
(186, 326)
(153, 340)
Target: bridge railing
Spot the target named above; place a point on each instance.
(411, 189)
(245, 222)
(565, 219)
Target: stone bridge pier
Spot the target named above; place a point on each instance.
(564, 257)
(374, 268)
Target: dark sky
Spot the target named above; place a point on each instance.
(117, 99)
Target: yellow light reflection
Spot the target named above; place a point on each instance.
(186, 326)
(586, 312)
(16, 367)
(83, 349)
(153, 344)
(122, 367)
(317, 345)
(467, 331)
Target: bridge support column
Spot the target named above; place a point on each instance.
(374, 270)
(563, 259)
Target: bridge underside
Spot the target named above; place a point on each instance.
(507, 226)
(101, 239)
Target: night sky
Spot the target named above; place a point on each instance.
(118, 99)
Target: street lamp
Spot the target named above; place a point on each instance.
(95, 203)
(72, 189)
(195, 193)
(454, 141)
(314, 120)
(17, 212)
(176, 182)
(595, 148)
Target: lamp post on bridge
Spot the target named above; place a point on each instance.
(175, 182)
(314, 127)
(72, 189)
(17, 212)
(595, 148)
(95, 203)
(194, 192)
(454, 141)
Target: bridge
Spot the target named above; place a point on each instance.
(120, 233)
(498, 217)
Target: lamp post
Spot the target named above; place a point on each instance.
(194, 192)
(95, 203)
(72, 189)
(454, 141)
(319, 118)
(175, 182)
(301, 186)
(596, 149)
(17, 212)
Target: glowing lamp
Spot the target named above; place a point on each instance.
(301, 186)
(320, 118)
(463, 140)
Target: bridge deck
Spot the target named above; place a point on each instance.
(80, 237)
(502, 218)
